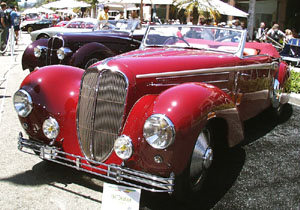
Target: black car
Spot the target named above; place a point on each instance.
(44, 23)
(82, 49)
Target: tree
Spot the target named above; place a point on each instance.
(195, 8)
(251, 18)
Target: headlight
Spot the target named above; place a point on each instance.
(51, 128)
(39, 51)
(63, 52)
(123, 147)
(159, 131)
(22, 103)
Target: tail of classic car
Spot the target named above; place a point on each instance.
(152, 118)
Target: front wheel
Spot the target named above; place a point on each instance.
(29, 29)
(193, 177)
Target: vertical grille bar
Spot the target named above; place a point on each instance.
(100, 112)
(54, 44)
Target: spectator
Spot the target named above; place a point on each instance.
(288, 35)
(15, 20)
(103, 15)
(275, 34)
(260, 33)
(201, 20)
(237, 24)
(3, 27)
(120, 16)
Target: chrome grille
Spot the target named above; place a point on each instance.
(54, 44)
(100, 111)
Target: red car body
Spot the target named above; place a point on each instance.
(189, 89)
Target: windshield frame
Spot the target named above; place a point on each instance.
(238, 52)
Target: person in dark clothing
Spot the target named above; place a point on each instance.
(3, 26)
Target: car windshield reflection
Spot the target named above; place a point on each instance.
(197, 37)
(118, 25)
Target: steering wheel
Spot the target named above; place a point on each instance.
(225, 37)
(173, 39)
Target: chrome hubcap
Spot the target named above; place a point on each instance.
(276, 94)
(202, 157)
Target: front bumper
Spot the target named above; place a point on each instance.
(112, 172)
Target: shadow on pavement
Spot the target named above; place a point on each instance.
(58, 176)
(223, 175)
(263, 123)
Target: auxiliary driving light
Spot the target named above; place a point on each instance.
(123, 147)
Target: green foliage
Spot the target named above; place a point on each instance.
(10, 2)
(293, 83)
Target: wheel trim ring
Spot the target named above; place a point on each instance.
(201, 159)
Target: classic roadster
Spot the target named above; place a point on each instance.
(84, 48)
(153, 118)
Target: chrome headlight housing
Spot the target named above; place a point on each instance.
(123, 147)
(159, 131)
(50, 128)
(39, 51)
(63, 52)
(22, 103)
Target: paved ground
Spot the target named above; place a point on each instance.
(263, 173)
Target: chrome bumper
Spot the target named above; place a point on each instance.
(112, 172)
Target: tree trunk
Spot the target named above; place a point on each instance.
(141, 11)
(251, 18)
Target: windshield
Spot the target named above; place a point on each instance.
(81, 23)
(198, 37)
(118, 25)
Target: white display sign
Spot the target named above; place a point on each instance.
(120, 197)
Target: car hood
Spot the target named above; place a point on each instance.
(160, 60)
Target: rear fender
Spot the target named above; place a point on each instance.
(189, 106)
(29, 61)
(282, 76)
(283, 73)
(85, 52)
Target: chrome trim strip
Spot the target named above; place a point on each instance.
(208, 70)
(127, 176)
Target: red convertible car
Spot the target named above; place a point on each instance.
(155, 117)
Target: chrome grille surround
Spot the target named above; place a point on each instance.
(54, 43)
(100, 111)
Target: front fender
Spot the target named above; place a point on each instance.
(29, 61)
(82, 54)
(54, 91)
(187, 106)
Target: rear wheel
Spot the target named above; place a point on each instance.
(276, 94)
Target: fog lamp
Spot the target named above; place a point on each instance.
(123, 147)
(51, 128)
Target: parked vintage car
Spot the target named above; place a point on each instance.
(85, 48)
(75, 25)
(291, 52)
(61, 23)
(153, 118)
(40, 24)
